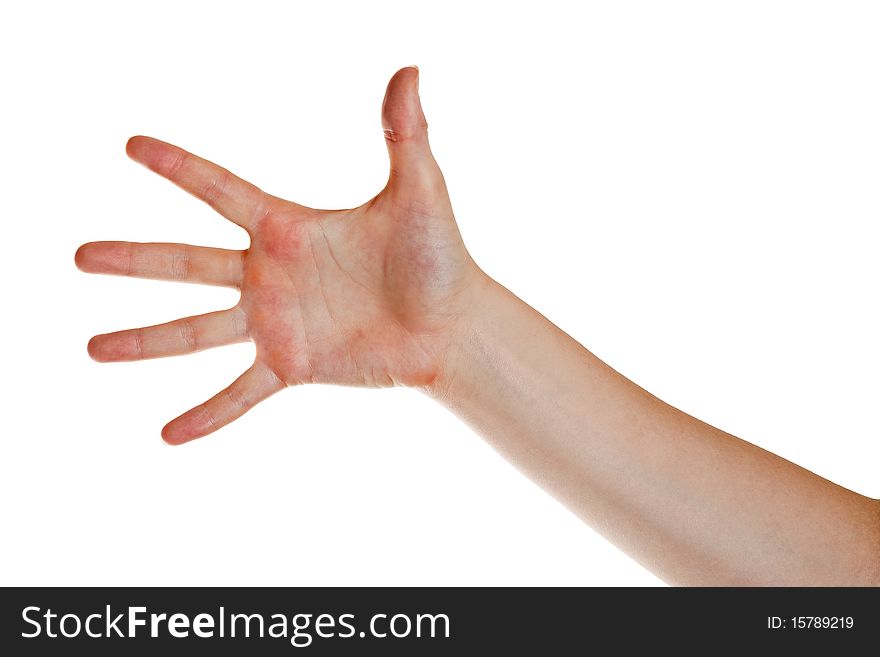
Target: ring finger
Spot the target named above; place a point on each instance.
(182, 336)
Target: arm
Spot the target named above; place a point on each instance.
(693, 504)
(386, 294)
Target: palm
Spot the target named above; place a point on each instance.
(361, 297)
(355, 297)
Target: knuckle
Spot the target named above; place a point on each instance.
(129, 258)
(139, 343)
(262, 209)
(180, 264)
(216, 188)
(208, 417)
(176, 165)
(188, 335)
(236, 399)
(239, 323)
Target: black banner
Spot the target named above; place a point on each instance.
(434, 621)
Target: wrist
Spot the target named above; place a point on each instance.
(465, 335)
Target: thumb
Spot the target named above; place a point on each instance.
(406, 130)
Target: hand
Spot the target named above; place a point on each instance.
(367, 296)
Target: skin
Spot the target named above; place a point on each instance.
(386, 294)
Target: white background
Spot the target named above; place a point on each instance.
(689, 189)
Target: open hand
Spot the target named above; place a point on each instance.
(367, 296)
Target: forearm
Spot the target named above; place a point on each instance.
(690, 502)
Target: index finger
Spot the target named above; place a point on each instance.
(236, 199)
